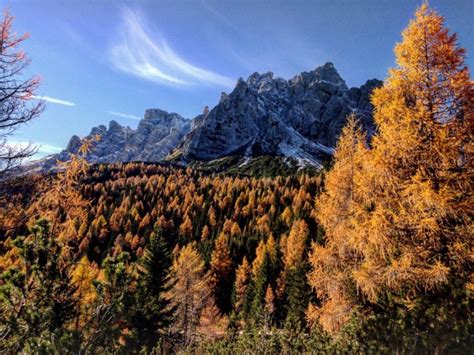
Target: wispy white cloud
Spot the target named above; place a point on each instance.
(124, 115)
(150, 57)
(42, 149)
(48, 149)
(54, 100)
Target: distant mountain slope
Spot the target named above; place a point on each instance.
(299, 119)
(156, 135)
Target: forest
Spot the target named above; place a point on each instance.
(373, 254)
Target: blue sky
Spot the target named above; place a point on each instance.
(104, 60)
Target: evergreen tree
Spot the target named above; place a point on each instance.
(294, 274)
(150, 314)
(37, 299)
(260, 283)
(296, 298)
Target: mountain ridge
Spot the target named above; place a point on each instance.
(299, 118)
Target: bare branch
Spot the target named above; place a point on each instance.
(16, 94)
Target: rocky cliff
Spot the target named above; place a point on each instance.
(156, 135)
(299, 118)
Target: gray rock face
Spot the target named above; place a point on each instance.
(299, 118)
(156, 135)
(74, 144)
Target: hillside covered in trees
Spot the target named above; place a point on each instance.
(372, 255)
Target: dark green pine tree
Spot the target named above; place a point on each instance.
(37, 302)
(296, 296)
(259, 288)
(151, 314)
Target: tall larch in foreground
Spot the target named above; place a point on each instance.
(401, 227)
(189, 290)
(63, 203)
(331, 263)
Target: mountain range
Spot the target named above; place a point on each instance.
(300, 119)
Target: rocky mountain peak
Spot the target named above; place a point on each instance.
(156, 135)
(223, 97)
(114, 126)
(74, 144)
(155, 114)
(299, 118)
(99, 130)
(325, 76)
(257, 79)
(328, 73)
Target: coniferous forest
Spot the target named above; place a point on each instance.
(372, 254)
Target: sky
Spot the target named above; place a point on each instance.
(108, 59)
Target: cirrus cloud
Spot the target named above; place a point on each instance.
(54, 100)
(42, 149)
(124, 115)
(150, 57)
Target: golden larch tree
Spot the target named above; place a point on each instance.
(295, 244)
(189, 290)
(221, 269)
(242, 280)
(400, 219)
(331, 264)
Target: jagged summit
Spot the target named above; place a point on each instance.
(299, 118)
(156, 135)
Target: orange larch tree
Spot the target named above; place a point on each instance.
(221, 269)
(400, 222)
(241, 288)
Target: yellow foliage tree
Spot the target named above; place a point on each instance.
(260, 254)
(221, 262)
(269, 301)
(295, 245)
(221, 268)
(83, 274)
(331, 264)
(398, 218)
(62, 203)
(189, 290)
(186, 228)
(242, 280)
(205, 233)
(287, 215)
(235, 229)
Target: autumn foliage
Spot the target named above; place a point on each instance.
(398, 216)
(373, 255)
